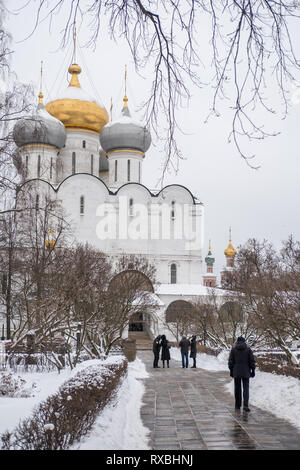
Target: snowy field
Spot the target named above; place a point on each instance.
(275, 393)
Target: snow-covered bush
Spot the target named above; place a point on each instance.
(14, 386)
(64, 417)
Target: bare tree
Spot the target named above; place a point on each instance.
(180, 319)
(251, 42)
(28, 262)
(262, 281)
(129, 293)
(219, 320)
(15, 100)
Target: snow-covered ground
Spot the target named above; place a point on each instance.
(119, 426)
(275, 393)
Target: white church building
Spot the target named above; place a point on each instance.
(72, 153)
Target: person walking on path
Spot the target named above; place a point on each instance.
(156, 348)
(184, 348)
(241, 364)
(165, 350)
(193, 353)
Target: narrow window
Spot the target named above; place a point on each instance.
(26, 166)
(116, 170)
(92, 164)
(73, 163)
(39, 166)
(51, 168)
(83, 144)
(128, 170)
(139, 172)
(173, 210)
(173, 273)
(131, 207)
(37, 202)
(81, 205)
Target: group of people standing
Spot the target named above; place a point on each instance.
(186, 346)
(241, 363)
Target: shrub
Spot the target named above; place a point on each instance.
(15, 386)
(276, 364)
(69, 414)
(207, 350)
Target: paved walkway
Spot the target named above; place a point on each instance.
(190, 409)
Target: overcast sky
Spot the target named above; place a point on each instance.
(261, 203)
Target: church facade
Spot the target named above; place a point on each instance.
(93, 167)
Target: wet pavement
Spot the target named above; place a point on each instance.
(190, 409)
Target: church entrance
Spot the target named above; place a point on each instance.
(139, 329)
(137, 322)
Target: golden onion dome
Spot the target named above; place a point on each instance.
(230, 251)
(50, 242)
(76, 109)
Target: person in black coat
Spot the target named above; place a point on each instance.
(241, 364)
(193, 353)
(156, 348)
(165, 350)
(184, 348)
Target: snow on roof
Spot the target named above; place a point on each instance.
(186, 289)
(152, 297)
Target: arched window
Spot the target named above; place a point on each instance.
(73, 163)
(83, 144)
(81, 205)
(92, 164)
(173, 273)
(128, 170)
(39, 166)
(116, 170)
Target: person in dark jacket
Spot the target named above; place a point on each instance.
(184, 348)
(156, 348)
(241, 364)
(193, 353)
(165, 350)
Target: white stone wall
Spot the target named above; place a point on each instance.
(119, 173)
(105, 220)
(84, 144)
(46, 169)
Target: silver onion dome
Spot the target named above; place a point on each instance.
(125, 133)
(41, 128)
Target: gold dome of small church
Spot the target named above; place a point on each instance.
(230, 250)
(75, 108)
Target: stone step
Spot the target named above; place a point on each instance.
(144, 345)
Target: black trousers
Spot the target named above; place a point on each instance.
(156, 358)
(238, 381)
